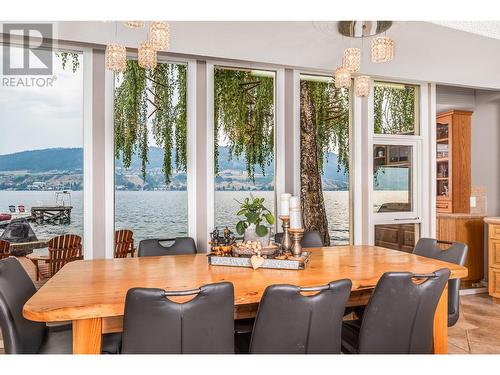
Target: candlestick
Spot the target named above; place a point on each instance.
(285, 204)
(297, 235)
(286, 242)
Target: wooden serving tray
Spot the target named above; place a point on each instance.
(244, 261)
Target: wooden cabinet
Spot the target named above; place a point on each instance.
(397, 236)
(469, 229)
(453, 160)
(494, 257)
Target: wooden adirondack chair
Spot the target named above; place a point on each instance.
(4, 249)
(62, 249)
(124, 243)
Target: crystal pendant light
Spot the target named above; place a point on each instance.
(147, 55)
(352, 59)
(135, 24)
(116, 58)
(342, 77)
(382, 49)
(362, 86)
(159, 35)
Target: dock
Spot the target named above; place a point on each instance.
(56, 215)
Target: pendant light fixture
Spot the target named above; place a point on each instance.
(352, 59)
(362, 86)
(135, 24)
(159, 35)
(382, 49)
(342, 77)
(147, 55)
(115, 56)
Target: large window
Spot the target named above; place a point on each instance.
(329, 108)
(396, 108)
(41, 151)
(396, 165)
(150, 121)
(244, 139)
(392, 178)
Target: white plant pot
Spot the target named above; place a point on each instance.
(250, 235)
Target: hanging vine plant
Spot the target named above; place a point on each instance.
(244, 113)
(156, 98)
(332, 120)
(394, 109)
(69, 57)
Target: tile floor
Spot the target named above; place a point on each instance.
(476, 332)
(478, 329)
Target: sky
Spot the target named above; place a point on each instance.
(37, 118)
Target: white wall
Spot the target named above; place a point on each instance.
(486, 148)
(424, 51)
(485, 142)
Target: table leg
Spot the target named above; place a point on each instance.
(441, 324)
(87, 335)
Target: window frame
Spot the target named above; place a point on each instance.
(110, 145)
(279, 134)
(422, 182)
(354, 215)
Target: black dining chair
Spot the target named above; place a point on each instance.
(243, 327)
(455, 253)
(289, 322)
(23, 336)
(153, 247)
(399, 317)
(154, 324)
(311, 239)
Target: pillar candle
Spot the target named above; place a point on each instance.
(285, 204)
(294, 202)
(295, 218)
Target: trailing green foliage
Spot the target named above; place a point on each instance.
(157, 97)
(332, 120)
(244, 113)
(66, 57)
(394, 109)
(254, 213)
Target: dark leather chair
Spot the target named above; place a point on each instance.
(456, 253)
(153, 324)
(288, 322)
(399, 318)
(153, 248)
(22, 336)
(311, 239)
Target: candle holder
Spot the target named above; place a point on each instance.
(286, 242)
(297, 234)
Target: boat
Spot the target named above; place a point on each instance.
(5, 219)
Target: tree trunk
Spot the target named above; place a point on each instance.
(311, 190)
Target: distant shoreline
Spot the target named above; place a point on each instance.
(218, 190)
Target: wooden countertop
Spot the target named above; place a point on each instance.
(460, 216)
(492, 220)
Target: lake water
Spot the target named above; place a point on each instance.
(153, 214)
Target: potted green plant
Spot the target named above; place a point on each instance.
(256, 215)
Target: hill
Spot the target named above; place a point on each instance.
(50, 159)
(58, 168)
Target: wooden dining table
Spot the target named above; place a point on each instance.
(91, 293)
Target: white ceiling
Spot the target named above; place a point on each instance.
(489, 29)
(424, 51)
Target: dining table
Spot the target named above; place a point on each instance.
(91, 293)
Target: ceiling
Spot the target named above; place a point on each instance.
(425, 51)
(490, 29)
